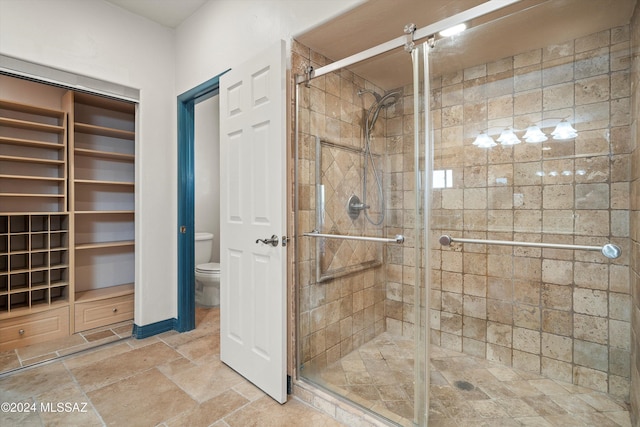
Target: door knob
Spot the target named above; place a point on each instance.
(273, 241)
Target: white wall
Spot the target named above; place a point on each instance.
(100, 40)
(207, 170)
(97, 39)
(225, 33)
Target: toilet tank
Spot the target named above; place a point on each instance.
(203, 247)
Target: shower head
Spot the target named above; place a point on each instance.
(374, 93)
(388, 99)
(382, 101)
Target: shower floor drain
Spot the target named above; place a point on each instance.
(463, 385)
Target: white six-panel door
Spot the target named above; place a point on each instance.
(253, 206)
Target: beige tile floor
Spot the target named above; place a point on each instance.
(465, 391)
(177, 379)
(169, 380)
(42, 352)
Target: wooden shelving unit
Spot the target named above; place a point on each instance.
(33, 158)
(34, 278)
(67, 210)
(101, 204)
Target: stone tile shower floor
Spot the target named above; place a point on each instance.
(465, 390)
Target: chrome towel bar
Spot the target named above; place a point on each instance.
(398, 239)
(609, 250)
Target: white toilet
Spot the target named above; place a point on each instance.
(207, 272)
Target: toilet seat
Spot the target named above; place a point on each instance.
(208, 268)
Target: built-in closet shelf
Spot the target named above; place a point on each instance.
(104, 245)
(100, 182)
(33, 178)
(45, 195)
(35, 309)
(32, 160)
(104, 293)
(84, 99)
(104, 131)
(104, 154)
(104, 212)
(24, 124)
(31, 109)
(32, 143)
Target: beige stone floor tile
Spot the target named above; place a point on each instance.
(34, 381)
(200, 348)
(136, 343)
(266, 412)
(248, 391)
(80, 411)
(210, 411)
(112, 369)
(620, 417)
(572, 404)
(145, 399)
(544, 406)
(522, 388)
(504, 374)
(22, 419)
(88, 346)
(516, 408)
(487, 422)
(601, 402)
(9, 360)
(38, 359)
(175, 340)
(549, 387)
(176, 366)
(47, 347)
(488, 409)
(96, 355)
(533, 422)
(204, 382)
(97, 336)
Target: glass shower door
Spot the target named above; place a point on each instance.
(360, 256)
(530, 180)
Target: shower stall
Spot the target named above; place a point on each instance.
(463, 226)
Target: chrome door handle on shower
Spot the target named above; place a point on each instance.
(273, 241)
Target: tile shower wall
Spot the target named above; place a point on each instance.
(340, 314)
(635, 218)
(560, 313)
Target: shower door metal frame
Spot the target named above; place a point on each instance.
(419, 34)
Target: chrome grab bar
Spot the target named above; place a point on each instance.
(609, 250)
(398, 239)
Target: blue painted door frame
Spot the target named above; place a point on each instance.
(186, 319)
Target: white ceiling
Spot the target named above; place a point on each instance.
(169, 13)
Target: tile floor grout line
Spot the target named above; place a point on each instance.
(6, 374)
(84, 393)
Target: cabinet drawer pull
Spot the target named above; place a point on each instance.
(21, 332)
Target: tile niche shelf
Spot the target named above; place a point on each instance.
(102, 206)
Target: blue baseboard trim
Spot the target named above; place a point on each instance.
(146, 331)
